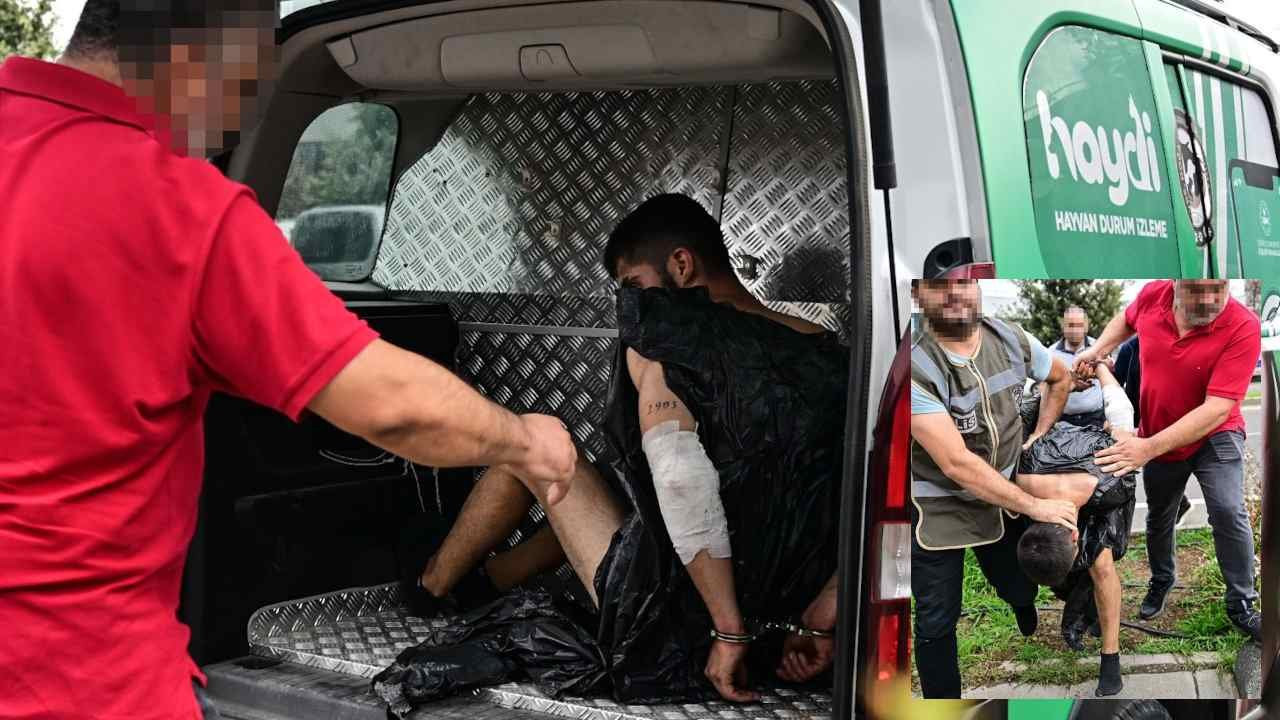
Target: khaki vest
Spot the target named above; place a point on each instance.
(983, 397)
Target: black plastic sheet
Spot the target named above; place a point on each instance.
(526, 635)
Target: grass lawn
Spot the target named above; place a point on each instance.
(988, 635)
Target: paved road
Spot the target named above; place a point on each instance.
(1198, 517)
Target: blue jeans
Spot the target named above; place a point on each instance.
(206, 705)
(1219, 468)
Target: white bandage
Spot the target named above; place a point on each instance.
(688, 489)
(1118, 409)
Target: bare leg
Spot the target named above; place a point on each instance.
(585, 521)
(494, 509)
(538, 554)
(1106, 592)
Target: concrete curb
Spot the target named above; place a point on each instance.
(1162, 662)
(1145, 676)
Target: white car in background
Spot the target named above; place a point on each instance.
(286, 227)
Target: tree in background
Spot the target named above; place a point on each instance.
(1042, 302)
(352, 166)
(26, 28)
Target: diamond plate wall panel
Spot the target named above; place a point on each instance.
(522, 190)
(565, 376)
(512, 309)
(786, 203)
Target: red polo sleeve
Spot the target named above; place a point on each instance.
(1233, 372)
(266, 327)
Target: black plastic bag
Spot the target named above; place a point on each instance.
(526, 635)
(1068, 448)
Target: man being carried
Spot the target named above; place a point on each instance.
(1080, 566)
(737, 413)
(967, 377)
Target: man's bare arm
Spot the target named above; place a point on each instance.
(712, 576)
(1057, 386)
(417, 409)
(937, 434)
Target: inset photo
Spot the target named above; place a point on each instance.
(1086, 488)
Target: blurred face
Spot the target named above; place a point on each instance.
(206, 83)
(1075, 326)
(952, 307)
(1200, 302)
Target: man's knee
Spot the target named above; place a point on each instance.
(1103, 568)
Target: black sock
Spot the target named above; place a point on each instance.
(1028, 620)
(1109, 681)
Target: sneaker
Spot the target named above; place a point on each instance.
(1184, 507)
(1248, 621)
(1153, 604)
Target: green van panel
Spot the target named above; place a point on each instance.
(1107, 52)
(1039, 709)
(1100, 182)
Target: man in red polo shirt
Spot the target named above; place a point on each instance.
(1198, 347)
(134, 283)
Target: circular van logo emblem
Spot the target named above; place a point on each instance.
(1264, 218)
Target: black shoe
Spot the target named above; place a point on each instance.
(1184, 507)
(1153, 604)
(1248, 621)
(1028, 620)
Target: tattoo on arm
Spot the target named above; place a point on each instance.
(663, 405)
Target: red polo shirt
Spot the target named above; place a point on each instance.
(1179, 372)
(133, 284)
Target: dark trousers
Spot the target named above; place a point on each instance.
(937, 579)
(1219, 468)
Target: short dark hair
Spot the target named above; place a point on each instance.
(662, 224)
(106, 25)
(1046, 553)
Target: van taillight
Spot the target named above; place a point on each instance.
(888, 650)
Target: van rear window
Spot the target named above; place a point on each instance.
(335, 196)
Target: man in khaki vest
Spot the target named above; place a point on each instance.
(967, 379)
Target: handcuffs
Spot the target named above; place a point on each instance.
(768, 626)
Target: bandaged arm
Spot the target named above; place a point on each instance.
(1116, 404)
(680, 470)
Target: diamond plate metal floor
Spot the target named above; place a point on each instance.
(355, 633)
